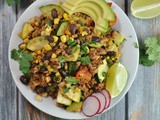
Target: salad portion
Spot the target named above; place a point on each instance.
(67, 52)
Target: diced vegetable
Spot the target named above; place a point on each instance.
(62, 27)
(63, 100)
(48, 8)
(26, 30)
(118, 38)
(74, 94)
(75, 54)
(75, 107)
(84, 74)
(102, 71)
(72, 69)
(37, 43)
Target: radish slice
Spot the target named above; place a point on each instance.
(102, 100)
(108, 98)
(91, 106)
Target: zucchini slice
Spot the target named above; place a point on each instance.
(62, 27)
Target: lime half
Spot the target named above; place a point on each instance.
(116, 79)
(145, 9)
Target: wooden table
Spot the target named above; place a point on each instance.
(141, 103)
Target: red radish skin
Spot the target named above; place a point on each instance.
(91, 106)
(108, 97)
(102, 100)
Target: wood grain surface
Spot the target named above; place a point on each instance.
(141, 103)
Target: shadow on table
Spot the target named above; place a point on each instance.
(25, 3)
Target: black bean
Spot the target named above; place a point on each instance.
(73, 28)
(63, 73)
(50, 38)
(40, 89)
(54, 13)
(95, 38)
(25, 79)
(111, 53)
(47, 56)
(68, 51)
(33, 65)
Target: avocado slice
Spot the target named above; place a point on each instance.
(118, 38)
(108, 13)
(75, 107)
(74, 94)
(47, 9)
(26, 30)
(63, 100)
(37, 43)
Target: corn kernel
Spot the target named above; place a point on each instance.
(107, 57)
(50, 69)
(49, 84)
(33, 54)
(47, 47)
(38, 98)
(36, 61)
(71, 39)
(39, 52)
(56, 20)
(22, 46)
(36, 24)
(84, 33)
(53, 55)
(65, 16)
(55, 39)
(80, 29)
(26, 40)
(63, 38)
(48, 79)
(57, 74)
(44, 94)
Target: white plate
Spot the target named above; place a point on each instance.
(130, 58)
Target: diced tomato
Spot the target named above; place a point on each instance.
(91, 23)
(109, 3)
(114, 22)
(84, 74)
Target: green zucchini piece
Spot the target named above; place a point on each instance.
(75, 107)
(62, 27)
(46, 10)
(26, 30)
(74, 94)
(118, 38)
(37, 43)
(102, 71)
(63, 100)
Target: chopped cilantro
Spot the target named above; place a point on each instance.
(136, 45)
(85, 60)
(104, 74)
(71, 80)
(71, 43)
(66, 90)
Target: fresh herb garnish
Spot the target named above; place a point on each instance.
(66, 89)
(71, 80)
(85, 60)
(11, 2)
(23, 59)
(71, 43)
(75, 48)
(153, 49)
(62, 59)
(104, 74)
(144, 58)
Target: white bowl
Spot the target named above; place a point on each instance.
(130, 58)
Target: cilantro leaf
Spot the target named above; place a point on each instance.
(71, 80)
(153, 49)
(85, 60)
(66, 90)
(71, 43)
(27, 56)
(14, 54)
(23, 60)
(143, 60)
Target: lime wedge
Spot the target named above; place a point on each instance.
(116, 79)
(145, 9)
